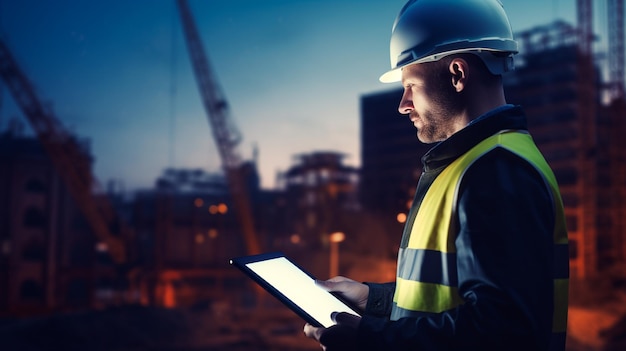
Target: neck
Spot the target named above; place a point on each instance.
(478, 103)
(483, 101)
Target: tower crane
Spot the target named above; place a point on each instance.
(226, 135)
(67, 155)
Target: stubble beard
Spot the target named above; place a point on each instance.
(432, 128)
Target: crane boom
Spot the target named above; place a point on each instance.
(226, 136)
(66, 154)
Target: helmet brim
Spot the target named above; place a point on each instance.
(392, 76)
(496, 64)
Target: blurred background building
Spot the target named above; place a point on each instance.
(390, 162)
(577, 120)
(48, 258)
(68, 245)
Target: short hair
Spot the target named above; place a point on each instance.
(477, 66)
(440, 80)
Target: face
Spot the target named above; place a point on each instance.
(429, 100)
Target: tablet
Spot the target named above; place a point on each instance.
(294, 287)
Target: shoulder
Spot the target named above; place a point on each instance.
(503, 191)
(503, 177)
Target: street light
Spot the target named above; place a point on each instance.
(335, 238)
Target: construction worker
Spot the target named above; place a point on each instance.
(483, 261)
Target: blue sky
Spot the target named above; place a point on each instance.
(117, 72)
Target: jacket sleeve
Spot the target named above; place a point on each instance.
(380, 299)
(504, 263)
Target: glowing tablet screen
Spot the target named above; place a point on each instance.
(300, 288)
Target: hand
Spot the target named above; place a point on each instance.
(339, 337)
(353, 291)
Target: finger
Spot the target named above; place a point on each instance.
(313, 332)
(333, 284)
(324, 284)
(346, 319)
(339, 279)
(339, 337)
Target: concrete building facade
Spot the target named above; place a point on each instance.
(561, 89)
(48, 252)
(390, 163)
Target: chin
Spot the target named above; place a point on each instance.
(424, 140)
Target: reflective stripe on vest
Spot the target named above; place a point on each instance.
(426, 278)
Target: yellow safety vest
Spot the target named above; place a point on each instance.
(431, 246)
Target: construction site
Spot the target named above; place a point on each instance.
(86, 267)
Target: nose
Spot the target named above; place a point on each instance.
(406, 104)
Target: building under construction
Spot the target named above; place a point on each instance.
(561, 90)
(390, 162)
(319, 191)
(49, 256)
(186, 233)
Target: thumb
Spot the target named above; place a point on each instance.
(325, 284)
(333, 284)
(339, 336)
(347, 319)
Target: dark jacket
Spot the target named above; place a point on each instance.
(504, 254)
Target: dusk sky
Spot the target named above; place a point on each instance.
(117, 72)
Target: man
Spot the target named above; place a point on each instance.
(483, 261)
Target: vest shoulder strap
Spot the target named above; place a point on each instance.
(439, 203)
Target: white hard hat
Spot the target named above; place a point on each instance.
(427, 30)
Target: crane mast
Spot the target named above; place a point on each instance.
(587, 140)
(225, 134)
(66, 154)
(616, 48)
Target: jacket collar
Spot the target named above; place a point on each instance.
(501, 118)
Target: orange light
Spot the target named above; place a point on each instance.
(337, 237)
(222, 208)
(295, 239)
(212, 233)
(198, 202)
(169, 295)
(199, 239)
(401, 217)
(213, 209)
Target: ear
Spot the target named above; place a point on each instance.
(460, 73)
